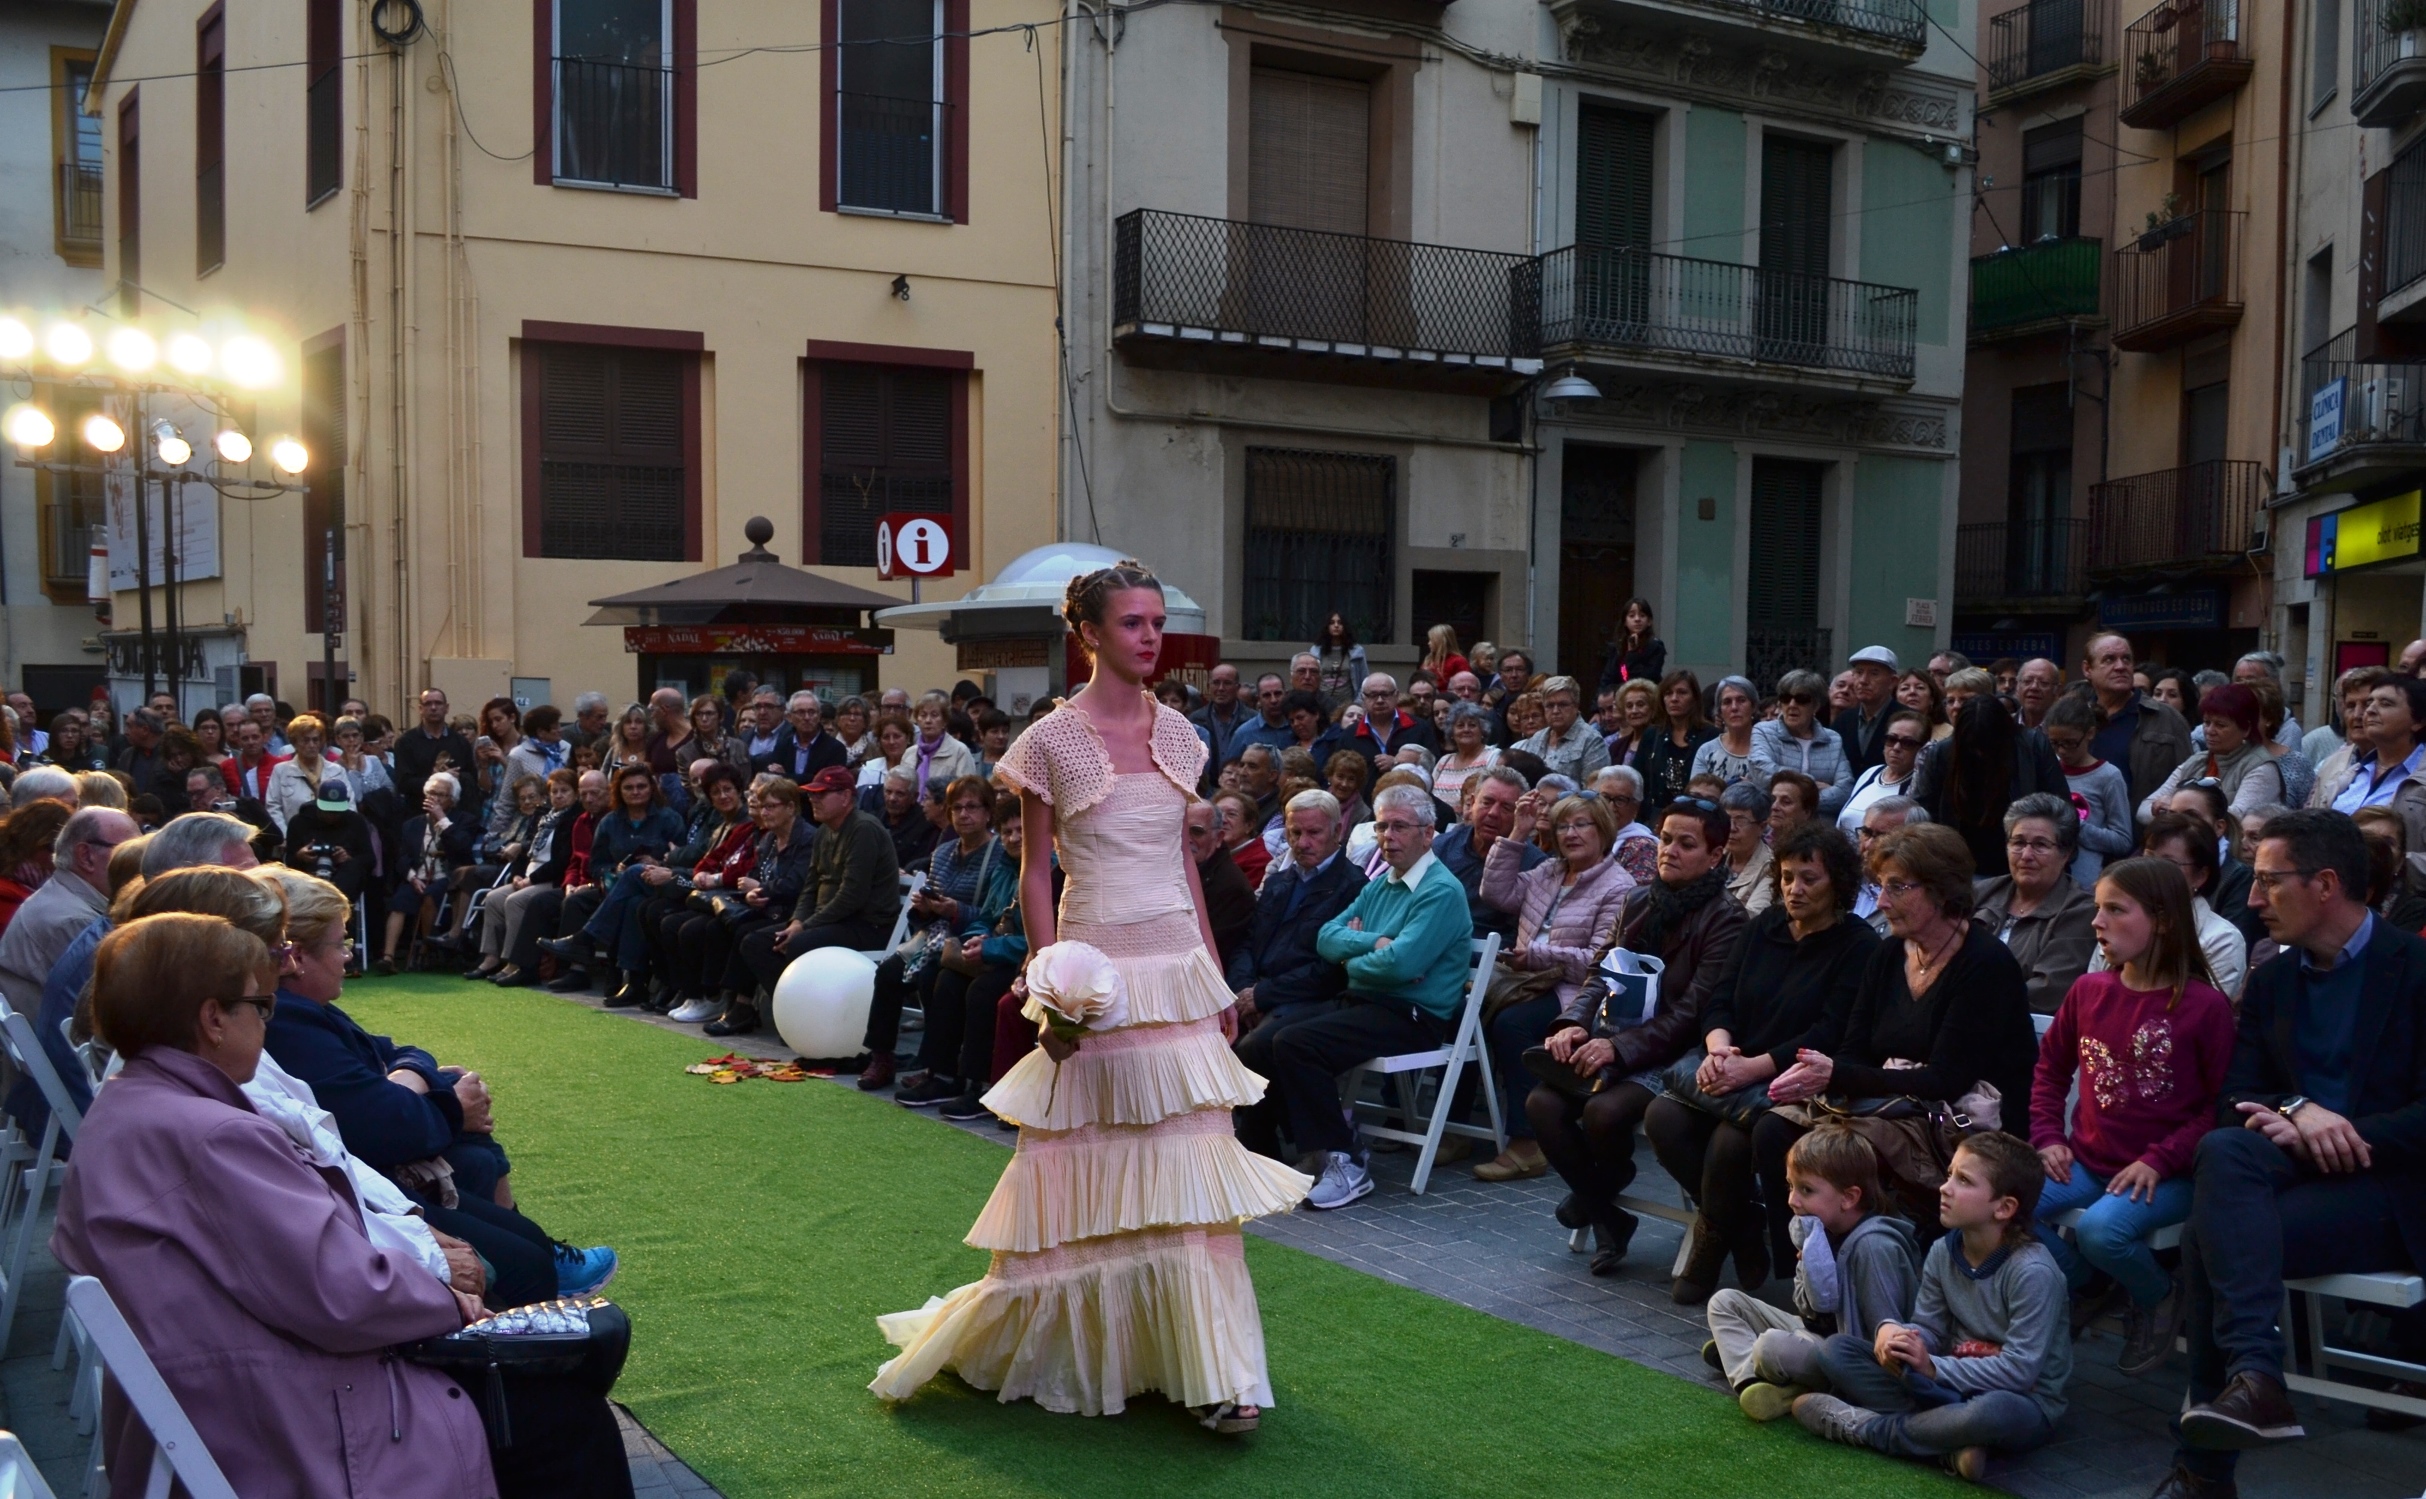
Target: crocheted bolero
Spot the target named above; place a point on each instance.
(1063, 760)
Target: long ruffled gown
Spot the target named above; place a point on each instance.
(1119, 1266)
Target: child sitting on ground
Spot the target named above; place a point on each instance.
(2151, 1041)
(1857, 1266)
(1982, 1363)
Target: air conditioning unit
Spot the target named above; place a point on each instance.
(2381, 407)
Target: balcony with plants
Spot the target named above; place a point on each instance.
(2180, 280)
(2388, 62)
(2047, 45)
(2179, 58)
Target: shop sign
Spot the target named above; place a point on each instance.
(2191, 609)
(2021, 645)
(2325, 417)
(1005, 655)
(2382, 531)
(754, 640)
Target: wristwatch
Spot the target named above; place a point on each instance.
(2292, 1105)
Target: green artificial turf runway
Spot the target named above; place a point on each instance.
(763, 1226)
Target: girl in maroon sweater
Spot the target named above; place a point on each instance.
(2150, 1040)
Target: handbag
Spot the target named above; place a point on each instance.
(1740, 1107)
(582, 1338)
(1914, 1139)
(1513, 986)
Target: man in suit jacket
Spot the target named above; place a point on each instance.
(1387, 728)
(1277, 970)
(802, 746)
(1229, 904)
(2320, 1166)
(1863, 727)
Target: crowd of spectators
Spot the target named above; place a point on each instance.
(1868, 896)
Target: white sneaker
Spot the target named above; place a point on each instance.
(692, 1011)
(1342, 1182)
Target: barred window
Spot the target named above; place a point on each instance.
(613, 444)
(1321, 536)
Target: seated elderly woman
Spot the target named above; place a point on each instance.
(1586, 1123)
(1566, 907)
(1748, 807)
(2039, 911)
(434, 844)
(402, 1113)
(245, 1271)
(1940, 1016)
(1792, 977)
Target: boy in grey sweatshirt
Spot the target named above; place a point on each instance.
(1982, 1364)
(1857, 1266)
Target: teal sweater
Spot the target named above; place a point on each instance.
(1428, 927)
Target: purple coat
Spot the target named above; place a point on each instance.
(1581, 925)
(246, 1275)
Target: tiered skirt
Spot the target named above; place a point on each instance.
(1118, 1265)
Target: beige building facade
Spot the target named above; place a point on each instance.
(565, 294)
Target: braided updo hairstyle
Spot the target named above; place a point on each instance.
(1083, 602)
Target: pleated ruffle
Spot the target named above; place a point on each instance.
(1167, 988)
(1134, 1075)
(1081, 1328)
(1099, 1179)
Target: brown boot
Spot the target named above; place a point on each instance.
(1695, 1283)
(1522, 1160)
(878, 1074)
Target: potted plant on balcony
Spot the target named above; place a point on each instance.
(2165, 222)
(2405, 22)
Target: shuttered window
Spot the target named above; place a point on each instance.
(130, 207)
(324, 506)
(1613, 178)
(2051, 181)
(613, 438)
(210, 143)
(1321, 534)
(323, 99)
(884, 444)
(1782, 581)
(1308, 145)
(1794, 205)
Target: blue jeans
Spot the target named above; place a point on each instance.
(609, 926)
(1998, 1419)
(2113, 1232)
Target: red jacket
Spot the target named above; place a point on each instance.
(259, 776)
(577, 868)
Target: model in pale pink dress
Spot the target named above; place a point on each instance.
(1118, 1262)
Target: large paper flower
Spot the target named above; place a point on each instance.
(1079, 985)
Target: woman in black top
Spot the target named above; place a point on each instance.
(1635, 654)
(1798, 965)
(1677, 730)
(1947, 996)
(1968, 779)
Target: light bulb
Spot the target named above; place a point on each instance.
(171, 445)
(29, 427)
(102, 434)
(16, 339)
(290, 456)
(189, 354)
(234, 446)
(249, 362)
(67, 344)
(132, 350)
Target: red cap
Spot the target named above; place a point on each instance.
(832, 778)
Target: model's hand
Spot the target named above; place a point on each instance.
(1229, 1025)
(1562, 1044)
(2137, 1181)
(1059, 1048)
(2057, 1159)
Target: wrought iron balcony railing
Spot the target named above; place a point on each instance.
(2191, 519)
(70, 523)
(2381, 403)
(1224, 281)
(2388, 66)
(2180, 57)
(614, 124)
(1593, 296)
(888, 153)
(2179, 281)
(2043, 41)
(2033, 284)
(80, 206)
(2404, 226)
(2038, 559)
(1899, 24)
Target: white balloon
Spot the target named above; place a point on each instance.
(822, 1000)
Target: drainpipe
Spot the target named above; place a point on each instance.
(2282, 288)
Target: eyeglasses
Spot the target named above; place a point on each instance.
(1897, 889)
(1906, 740)
(2032, 846)
(2270, 880)
(1697, 803)
(1873, 832)
(265, 1006)
(1804, 698)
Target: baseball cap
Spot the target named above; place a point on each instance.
(336, 796)
(1876, 655)
(832, 778)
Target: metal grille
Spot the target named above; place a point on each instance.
(1639, 299)
(2045, 36)
(1320, 536)
(2177, 56)
(886, 154)
(614, 124)
(1266, 281)
(2405, 220)
(2020, 559)
(2376, 47)
(1771, 651)
(849, 505)
(612, 453)
(884, 439)
(1898, 23)
(2054, 278)
(2179, 271)
(2382, 402)
(610, 510)
(2182, 519)
(80, 206)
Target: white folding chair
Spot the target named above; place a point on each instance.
(913, 1017)
(1402, 1071)
(2313, 1374)
(45, 1170)
(178, 1452)
(19, 1478)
